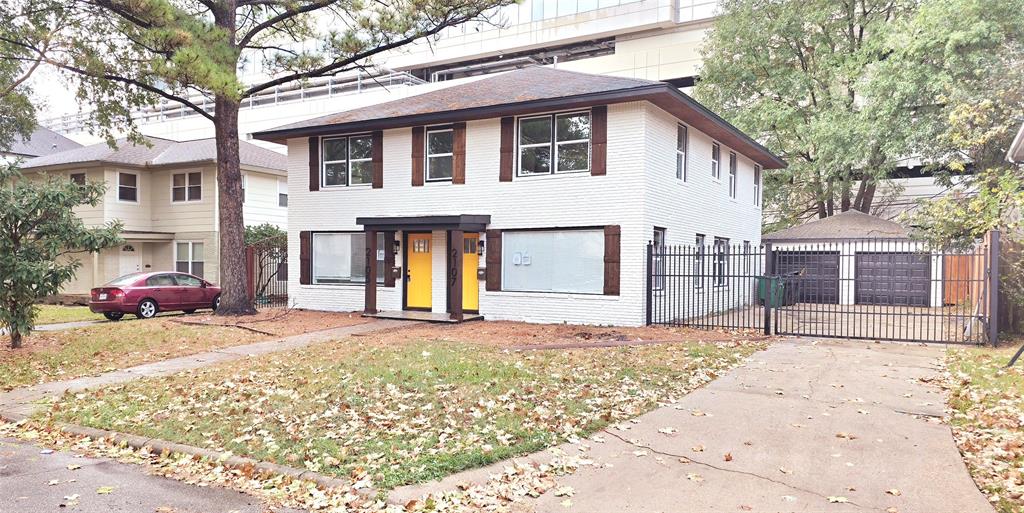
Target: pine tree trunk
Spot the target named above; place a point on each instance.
(234, 299)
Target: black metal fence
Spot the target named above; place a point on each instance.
(267, 274)
(880, 289)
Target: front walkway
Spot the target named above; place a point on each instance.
(802, 426)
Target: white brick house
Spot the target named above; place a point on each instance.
(559, 179)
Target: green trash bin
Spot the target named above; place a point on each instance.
(773, 285)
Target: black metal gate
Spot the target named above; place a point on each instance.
(267, 274)
(878, 289)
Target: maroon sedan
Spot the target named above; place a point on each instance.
(146, 294)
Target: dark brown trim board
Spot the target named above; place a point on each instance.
(305, 263)
(418, 142)
(314, 163)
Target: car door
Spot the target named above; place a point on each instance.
(191, 290)
(164, 289)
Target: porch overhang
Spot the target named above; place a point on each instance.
(461, 222)
(144, 236)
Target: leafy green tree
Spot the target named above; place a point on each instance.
(17, 64)
(131, 53)
(270, 254)
(39, 237)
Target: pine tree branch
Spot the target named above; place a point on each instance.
(284, 16)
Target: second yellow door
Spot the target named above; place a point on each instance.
(470, 285)
(418, 286)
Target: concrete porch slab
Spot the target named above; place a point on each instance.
(416, 315)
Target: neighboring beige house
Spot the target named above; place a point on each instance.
(166, 196)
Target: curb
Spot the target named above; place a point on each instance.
(158, 446)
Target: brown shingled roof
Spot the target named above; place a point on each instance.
(524, 91)
(851, 224)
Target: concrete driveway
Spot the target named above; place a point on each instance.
(804, 427)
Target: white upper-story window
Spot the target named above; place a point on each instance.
(128, 187)
(716, 161)
(186, 187)
(554, 143)
(732, 174)
(682, 143)
(245, 185)
(440, 154)
(757, 185)
(347, 161)
(282, 192)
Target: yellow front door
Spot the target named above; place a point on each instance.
(419, 264)
(470, 262)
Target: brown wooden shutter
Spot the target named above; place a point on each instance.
(508, 144)
(378, 159)
(417, 156)
(305, 264)
(599, 140)
(612, 244)
(314, 163)
(459, 151)
(389, 259)
(493, 260)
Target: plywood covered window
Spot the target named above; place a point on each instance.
(553, 261)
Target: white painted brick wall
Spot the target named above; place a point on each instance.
(641, 144)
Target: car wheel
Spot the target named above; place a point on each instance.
(216, 303)
(113, 316)
(190, 311)
(147, 309)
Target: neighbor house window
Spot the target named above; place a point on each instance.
(698, 264)
(553, 261)
(187, 187)
(659, 258)
(746, 255)
(555, 143)
(716, 161)
(188, 258)
(721, 260)
(440, 154)
(341, 258)
(682, 142)
(245, 185)
(78, 179)
(128, 187)
(757, 185)
(347, 161)
(732, 174)
(282, 193)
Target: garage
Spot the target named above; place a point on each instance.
(816, 277)
(887, 278)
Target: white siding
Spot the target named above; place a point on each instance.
(261, 205)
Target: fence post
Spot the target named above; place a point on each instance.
(993, 288)
(250, 272)
(650, 281)
(769, 264)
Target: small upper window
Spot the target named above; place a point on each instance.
(440, 154)
(682, 142)
(757, 185)
(732, 174)
(187, 186)
(716, 159)
(78, 179)
(128, 187)
(245, 185)
(347, 161)
(282, 193)
(558, 143)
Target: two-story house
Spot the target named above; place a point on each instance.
(529, 195)
(165, 193)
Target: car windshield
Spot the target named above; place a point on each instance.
(127, 279)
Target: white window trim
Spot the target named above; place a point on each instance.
(716, 163)
(427, 154)
(658, 284)
(138, 188)
(191, 250)
(554, 144)
(757, 184)
(282, 188)
(684, 152)
(187, 185)
(348, 161)
(733, 174)
(245, 187)
(723, 243)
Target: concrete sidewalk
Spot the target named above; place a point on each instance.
(798, 424)
(21, 401)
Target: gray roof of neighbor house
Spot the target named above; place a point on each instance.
(851, 224)
(525, 91)
(43, 141)
(160, 152)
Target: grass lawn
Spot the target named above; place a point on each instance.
(988, 421)
(405, 411)
(53, 314)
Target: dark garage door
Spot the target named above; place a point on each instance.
(818, 274)
(893, 279)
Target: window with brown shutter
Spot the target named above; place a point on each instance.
(417, 155)
(377, 156)
(305, 262)
(493, 260)
(314, 163)
(599, 141)
(508, 143)
(459, 153)
(612, 243)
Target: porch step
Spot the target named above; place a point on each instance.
(415, 315)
